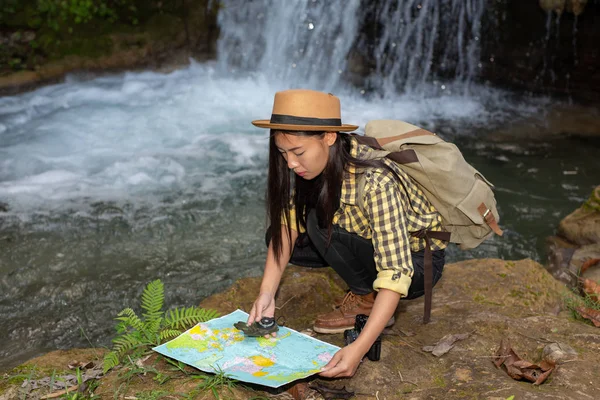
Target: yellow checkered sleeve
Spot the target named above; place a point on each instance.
(384, 209)
(292, 217)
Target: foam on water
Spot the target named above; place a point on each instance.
(132, 135)
(140, 136)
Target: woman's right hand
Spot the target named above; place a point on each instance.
(264, 306)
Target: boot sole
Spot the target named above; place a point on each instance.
(342, 329)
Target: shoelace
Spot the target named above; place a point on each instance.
(349, 301)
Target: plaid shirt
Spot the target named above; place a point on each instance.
(394, 207)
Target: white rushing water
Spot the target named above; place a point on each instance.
(302, 42)
(125, 137)
(410, 46)
(139, 136)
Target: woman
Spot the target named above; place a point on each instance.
(367, 240)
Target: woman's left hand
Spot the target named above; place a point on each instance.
(344, 363)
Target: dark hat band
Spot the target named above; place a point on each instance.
(293, 120)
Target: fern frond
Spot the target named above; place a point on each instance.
(124, 343)
(152, 327)
(152, 300)
(180, 318)
(173, 318)
(110, 361)
(129, 317)
(209, 314)
(169, 334)
(152, 331)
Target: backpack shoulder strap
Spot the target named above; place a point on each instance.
(376, 153)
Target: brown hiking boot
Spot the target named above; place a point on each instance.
(343, 317)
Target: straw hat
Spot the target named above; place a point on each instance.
(305, 110)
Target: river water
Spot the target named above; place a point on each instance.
(109, 183)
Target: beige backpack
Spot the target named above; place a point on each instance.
(459, 192)
(462, 196)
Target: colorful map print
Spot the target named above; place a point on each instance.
(216, 345)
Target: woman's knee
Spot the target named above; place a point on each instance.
(417, 288)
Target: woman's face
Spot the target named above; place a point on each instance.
(306, 155)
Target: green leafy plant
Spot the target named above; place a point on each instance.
(58, 12)
(8, 9)
(78, 393)
(138, 369)
(63, 14)
(178, 366)
(573, 301)
(137, 334)
(593, 202)
(152, 395)
(212, 382)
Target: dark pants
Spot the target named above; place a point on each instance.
(351, 256)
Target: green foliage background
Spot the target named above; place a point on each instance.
(77, 27)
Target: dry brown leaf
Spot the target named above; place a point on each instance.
(588, 313)
(542, 377)
(81, 365)
(299, 391)
(522, 364)
(517, 368)
(445, 344)
(587, 264)
(591, 288)
(588, 286)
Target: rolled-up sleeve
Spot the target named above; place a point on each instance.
(383, 207)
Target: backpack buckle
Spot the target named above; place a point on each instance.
(489, 219)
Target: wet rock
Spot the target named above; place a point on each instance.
(560, 120)
(577, 243)
(557, 6)
(535, 51)
(560, 254)
(582, 226)
(576, 6)
(495, 299)
(584, 254)
(558, 353)
(565, 260)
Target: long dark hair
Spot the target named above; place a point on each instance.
(321, 193)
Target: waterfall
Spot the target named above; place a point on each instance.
(299, 42)
(395, 46)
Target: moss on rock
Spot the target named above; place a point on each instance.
(531, 316)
